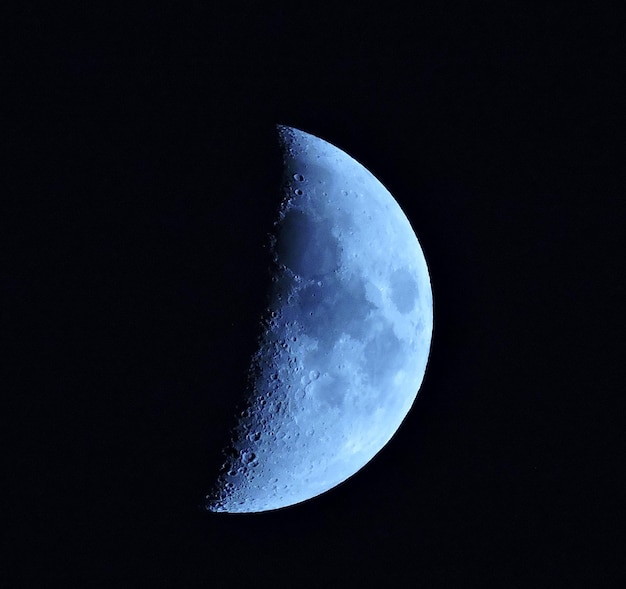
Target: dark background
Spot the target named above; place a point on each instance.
(139, 190)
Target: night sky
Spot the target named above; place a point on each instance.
(138, 194)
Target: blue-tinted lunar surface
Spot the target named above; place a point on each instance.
(346, 340)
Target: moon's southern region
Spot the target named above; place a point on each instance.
(346, 338)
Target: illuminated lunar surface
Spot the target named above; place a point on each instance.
(346, 339)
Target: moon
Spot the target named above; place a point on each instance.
(346, 338)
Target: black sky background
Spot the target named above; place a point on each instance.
(138, 195)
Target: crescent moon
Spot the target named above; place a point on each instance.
(346, 340)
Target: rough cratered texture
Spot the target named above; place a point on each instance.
(347, 334)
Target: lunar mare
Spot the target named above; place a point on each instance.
(346, 340)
